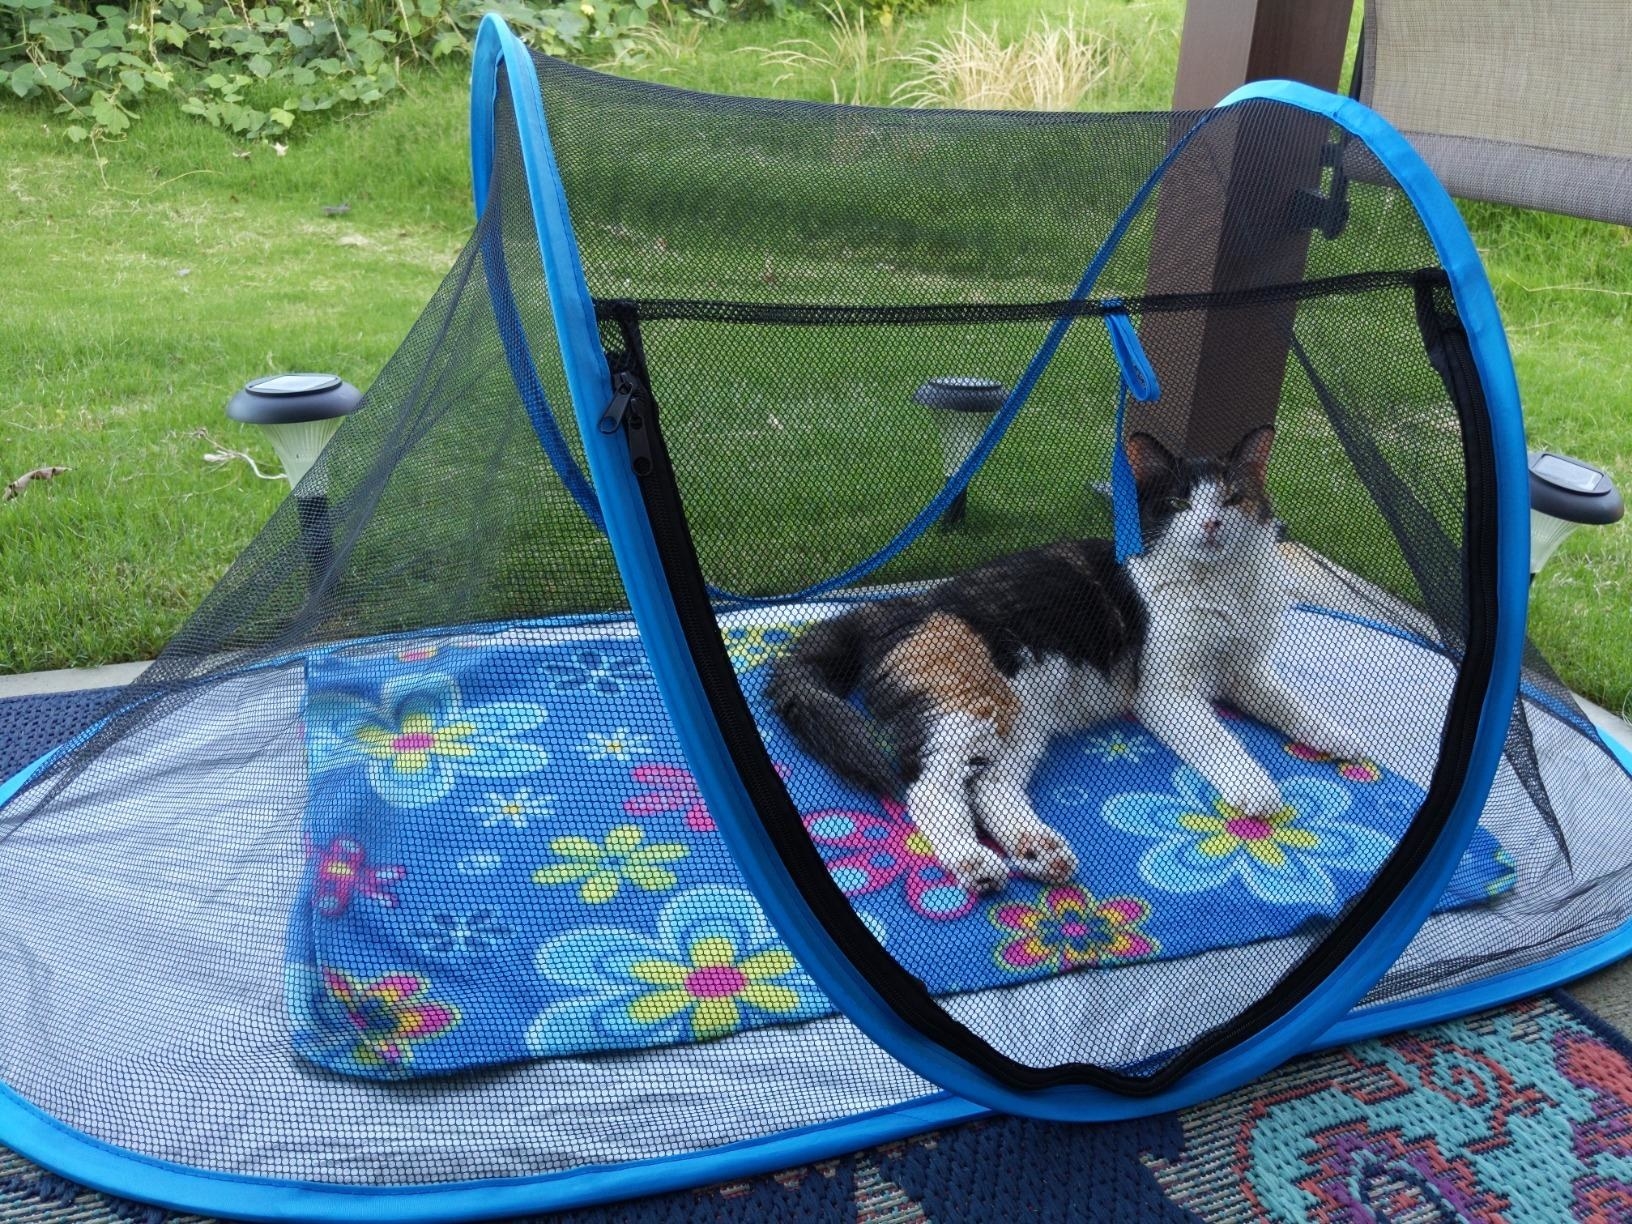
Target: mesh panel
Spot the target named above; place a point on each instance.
(181, 889)
(389, 871)
(948, 719)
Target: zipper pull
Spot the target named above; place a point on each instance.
(628, 394)
(625, 386)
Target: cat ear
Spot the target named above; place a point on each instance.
(1250, 458)
(1148, 458)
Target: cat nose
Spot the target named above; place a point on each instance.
(1212, 525)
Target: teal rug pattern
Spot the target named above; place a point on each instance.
(1522, 1115)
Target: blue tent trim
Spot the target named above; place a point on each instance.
(1320, 1020)
(633, 546)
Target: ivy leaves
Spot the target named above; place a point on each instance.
(255, 69)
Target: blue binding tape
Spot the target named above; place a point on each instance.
(1138, 375)
(1139, 381)
(1136, 369)
(84, 1157)
(1130, 536)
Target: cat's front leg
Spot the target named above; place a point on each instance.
(1186, 723)
(1002, 800)
(1261, 693)
(938, 802)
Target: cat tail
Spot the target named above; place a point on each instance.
(809, 687)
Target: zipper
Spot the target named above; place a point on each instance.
(633, 408)
(628, 410)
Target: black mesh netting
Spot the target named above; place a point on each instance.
(390, 869)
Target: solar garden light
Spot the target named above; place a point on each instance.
(299, 413)
(963, 408)
(1564, 494)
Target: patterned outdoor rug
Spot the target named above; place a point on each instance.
(1520, 1114)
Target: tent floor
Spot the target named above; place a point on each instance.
(109, 894)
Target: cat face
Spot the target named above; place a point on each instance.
(1203, 511)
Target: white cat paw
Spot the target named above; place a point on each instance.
(978, 869)
(1043, 854)
(1251, 796)
(1337, 743)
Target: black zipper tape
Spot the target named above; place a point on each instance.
(905, 994)
(816, 314)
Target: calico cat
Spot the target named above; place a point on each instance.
(972, 678)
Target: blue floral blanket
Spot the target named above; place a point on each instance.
(507, 858)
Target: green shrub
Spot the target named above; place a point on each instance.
(258, 69)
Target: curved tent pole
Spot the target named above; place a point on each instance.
(630, 534)
(88, 1160)
(517, 352)
(532, 394)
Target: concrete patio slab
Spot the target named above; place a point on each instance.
(68, 679)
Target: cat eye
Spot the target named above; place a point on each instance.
(1178, 503)
(1235, 498)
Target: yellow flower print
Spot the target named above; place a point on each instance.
(600, 868)
(713, 984)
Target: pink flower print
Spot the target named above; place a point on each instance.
(342, 872)
(1069, 929)
(672, 790)
(1355, 771)
(418, 653)
(383, 1018)
(882, 850)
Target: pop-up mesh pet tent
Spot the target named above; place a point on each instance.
(454, 858)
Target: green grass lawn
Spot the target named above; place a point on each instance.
(144, 290)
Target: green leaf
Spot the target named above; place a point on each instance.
(24, 80)
(260, 66)
(281, 117)
(76, 133)
(132, 80)
(54, 34)
(54, 77)
(108, 114)
(299, 36)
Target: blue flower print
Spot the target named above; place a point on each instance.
(419, 736)
(449, 936)
(715, 967)
(1118, 747)
(621, 744)
(587, 669)
(1203, 843)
